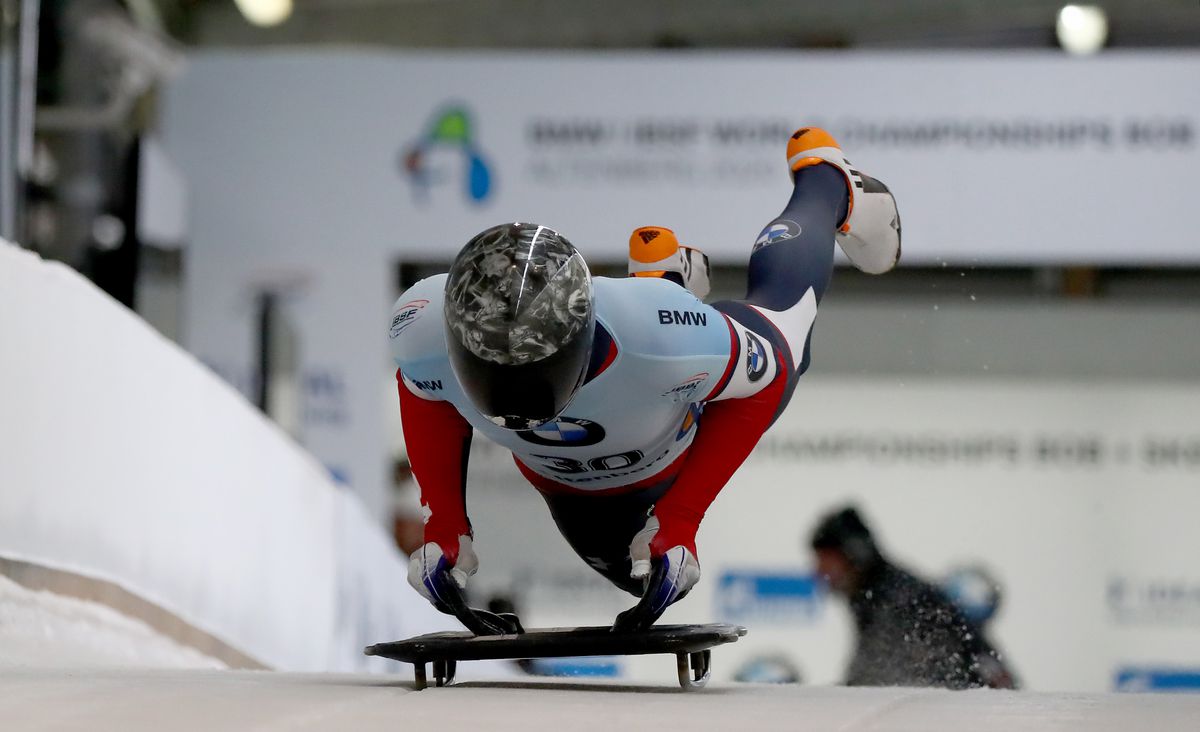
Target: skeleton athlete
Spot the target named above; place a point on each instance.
(628, 403)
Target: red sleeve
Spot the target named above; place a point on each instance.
(728, 432)
(438, 441)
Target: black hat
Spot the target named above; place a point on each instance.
(845, 531)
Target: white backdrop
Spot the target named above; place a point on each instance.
(296, 167)
(1061, 490)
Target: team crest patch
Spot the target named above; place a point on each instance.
(685, 390)
(776, 231)
(689, 421)
(406, 315)
(756, 358)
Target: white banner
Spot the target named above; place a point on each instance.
(1014, 158)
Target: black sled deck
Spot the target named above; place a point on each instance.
(690, 644)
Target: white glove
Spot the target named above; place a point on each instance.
(428, 562)
(667, 578)
(685, 568)
(639, 548)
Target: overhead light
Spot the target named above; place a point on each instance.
(1082, 29)
(265, 12)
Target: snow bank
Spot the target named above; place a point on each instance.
(44, 630)
(126, 461)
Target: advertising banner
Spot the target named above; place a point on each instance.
(1004, 158)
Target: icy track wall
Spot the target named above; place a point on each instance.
(128, 463)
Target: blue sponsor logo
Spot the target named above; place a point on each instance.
(588, 666)
(1143, 679)
(756, 358)
(769, 597)
(974, 591)
(776, 231)
(565, 432)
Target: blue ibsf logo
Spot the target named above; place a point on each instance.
(769, 597)
(448, 152)
(1139, 679)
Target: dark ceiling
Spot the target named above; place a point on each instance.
(742, 24)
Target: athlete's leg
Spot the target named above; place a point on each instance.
(782, 269)
(601, 528)
(793, 260)
(789, 270)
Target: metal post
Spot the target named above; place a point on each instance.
(266, 326)
(18, 88)
(9, 54)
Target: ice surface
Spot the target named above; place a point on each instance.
(41, 629)
(69, 664)
(204, 700)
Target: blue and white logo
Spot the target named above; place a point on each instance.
(756, 358)
(769, 597)
(591, 666)
(1141, 679)
(565, 432)
(974, 591)
(777, 231)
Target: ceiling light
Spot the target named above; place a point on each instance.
(265, 12)
(1082, 29)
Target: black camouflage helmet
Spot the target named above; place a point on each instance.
(519, 323)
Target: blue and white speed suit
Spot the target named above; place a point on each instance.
(676, 395)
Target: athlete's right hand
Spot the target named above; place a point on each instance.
(430, 567)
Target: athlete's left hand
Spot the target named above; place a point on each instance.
(669, 574)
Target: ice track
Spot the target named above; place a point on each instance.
(69, 665)
(48, 699)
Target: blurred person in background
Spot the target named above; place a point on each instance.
(667, 396)
(908, 633)
(408, 525)
(976, 593)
